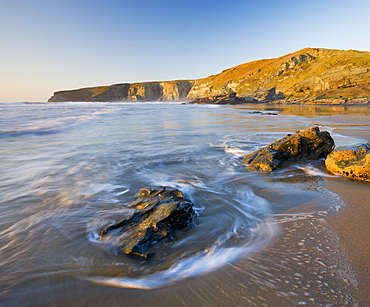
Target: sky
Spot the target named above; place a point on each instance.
(52, 45)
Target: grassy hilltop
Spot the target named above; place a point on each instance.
(308, 73)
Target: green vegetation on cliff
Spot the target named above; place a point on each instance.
(310, 72)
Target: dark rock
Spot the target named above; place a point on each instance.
(266, 96)
(352, 162)
(161, 211)
(304, 144)
(249, 99)
(220, 99)
(262, 113)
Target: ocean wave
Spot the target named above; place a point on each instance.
(58, 194)
(233, 223)
(51, 125)
(314, 171)
(237, 148)
(201, 263)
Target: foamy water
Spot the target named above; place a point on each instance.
(69, 169)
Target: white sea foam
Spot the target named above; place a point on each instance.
(202, 263)
(55, 188)
(245, 235)
(237, 149)
(314, 171)
(47, 125)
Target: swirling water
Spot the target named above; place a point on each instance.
(67, 170)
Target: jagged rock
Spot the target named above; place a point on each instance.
(352, 162)
(267, 95)
(250, 99)
(160, 212)
(222, 99)
(304, 144)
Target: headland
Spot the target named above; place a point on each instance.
(308, 76)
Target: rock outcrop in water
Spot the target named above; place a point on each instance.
(306, 74)
(161, 211)
(304, 144)
(352, 162)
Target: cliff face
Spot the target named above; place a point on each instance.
(309, 72)
(148, 91)
(159, 91)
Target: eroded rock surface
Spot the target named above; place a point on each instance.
(304, 144)
(223, 99)
(161, 211)
(352, 162)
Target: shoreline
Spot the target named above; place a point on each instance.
(351, 223)
(322, 101)
(233, 99)
(345, 234)
(315, 255)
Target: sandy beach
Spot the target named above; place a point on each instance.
(317, 252)
(347, 230)
(352, 226)
(352, 222)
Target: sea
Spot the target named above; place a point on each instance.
(67, 170)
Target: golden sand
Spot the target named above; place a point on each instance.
(352, 223)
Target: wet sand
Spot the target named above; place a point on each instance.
(352, 223)
(350, 227)
(353, 228)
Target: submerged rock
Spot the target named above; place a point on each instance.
(262, 113)
(161, 211)
(352, 162)
(304, 144)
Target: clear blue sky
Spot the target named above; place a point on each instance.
(51, 45)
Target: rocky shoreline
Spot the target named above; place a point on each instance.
(161, 211)
(309, 144)
(312, 144)
(323, 101)
(232, 99)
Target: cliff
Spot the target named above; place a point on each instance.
(311, 72)
(147, 91)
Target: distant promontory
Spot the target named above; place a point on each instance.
(310, 73)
